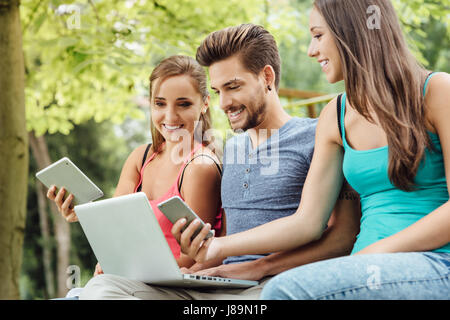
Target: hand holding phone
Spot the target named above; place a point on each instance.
(175, 209)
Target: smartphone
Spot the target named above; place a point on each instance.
(175, 209)
(64, 173)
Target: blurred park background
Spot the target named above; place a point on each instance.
(85, 67)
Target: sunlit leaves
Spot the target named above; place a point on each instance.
(91, 59)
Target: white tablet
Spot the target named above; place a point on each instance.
(64, 173)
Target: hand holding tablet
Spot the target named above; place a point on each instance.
(74, 186)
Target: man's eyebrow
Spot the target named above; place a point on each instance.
(228, 83)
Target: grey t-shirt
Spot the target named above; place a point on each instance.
(263, 184)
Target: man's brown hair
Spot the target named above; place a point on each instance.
(255, 46)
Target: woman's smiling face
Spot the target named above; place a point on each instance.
(323, 47)
(176, 107)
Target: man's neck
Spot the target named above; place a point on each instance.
(275, 118)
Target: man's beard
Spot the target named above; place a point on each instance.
(254, 119)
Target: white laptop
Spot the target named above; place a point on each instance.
(127, 241)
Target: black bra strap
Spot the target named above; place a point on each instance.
(143, 161)
(205, 155)
(339, 107)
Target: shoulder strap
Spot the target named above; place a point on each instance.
(431, 74)
(339, 106)
(145, 153)
(143, 161)
(200, 155)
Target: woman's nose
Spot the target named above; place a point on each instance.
(312, 50)
(171, 114)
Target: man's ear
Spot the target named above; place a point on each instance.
(269, 76)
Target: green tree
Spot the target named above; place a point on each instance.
(13, 149)
(87, 65)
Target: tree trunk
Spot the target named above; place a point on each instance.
(13, 149)
(61, 226)
(46, 240)
(42, 158)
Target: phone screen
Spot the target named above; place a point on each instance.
(175, 209)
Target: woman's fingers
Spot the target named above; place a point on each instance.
(177, 227)
(51, 193)
(186, 236)
(65, 207)
(98, 270)
(200, 238)
(59, 197)
(190, 246)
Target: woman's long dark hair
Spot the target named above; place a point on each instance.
(381, 75)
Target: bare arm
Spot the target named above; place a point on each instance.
(337, 240)
(307, 224)
(129, 177)
(201, 192)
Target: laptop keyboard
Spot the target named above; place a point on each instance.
(197, 277)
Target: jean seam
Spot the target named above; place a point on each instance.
(380, 284)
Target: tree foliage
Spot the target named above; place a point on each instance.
(91, 60)
(87, 65)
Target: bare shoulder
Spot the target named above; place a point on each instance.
(438, 89)
(205, 157)
(135, 157)
(130, 172)
(202, 175)
(327, 127)
(203, 167)
(437, 98)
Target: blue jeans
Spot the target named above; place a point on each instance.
(416, 275)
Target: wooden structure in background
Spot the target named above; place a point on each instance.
(308, 99)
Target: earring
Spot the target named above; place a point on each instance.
(269, 88)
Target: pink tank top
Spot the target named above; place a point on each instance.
(164, 223)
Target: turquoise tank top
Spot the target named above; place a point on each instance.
(386, 209)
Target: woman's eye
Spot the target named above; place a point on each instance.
(185, 104)
(159, 104)
(318, 36)
(234, 87)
